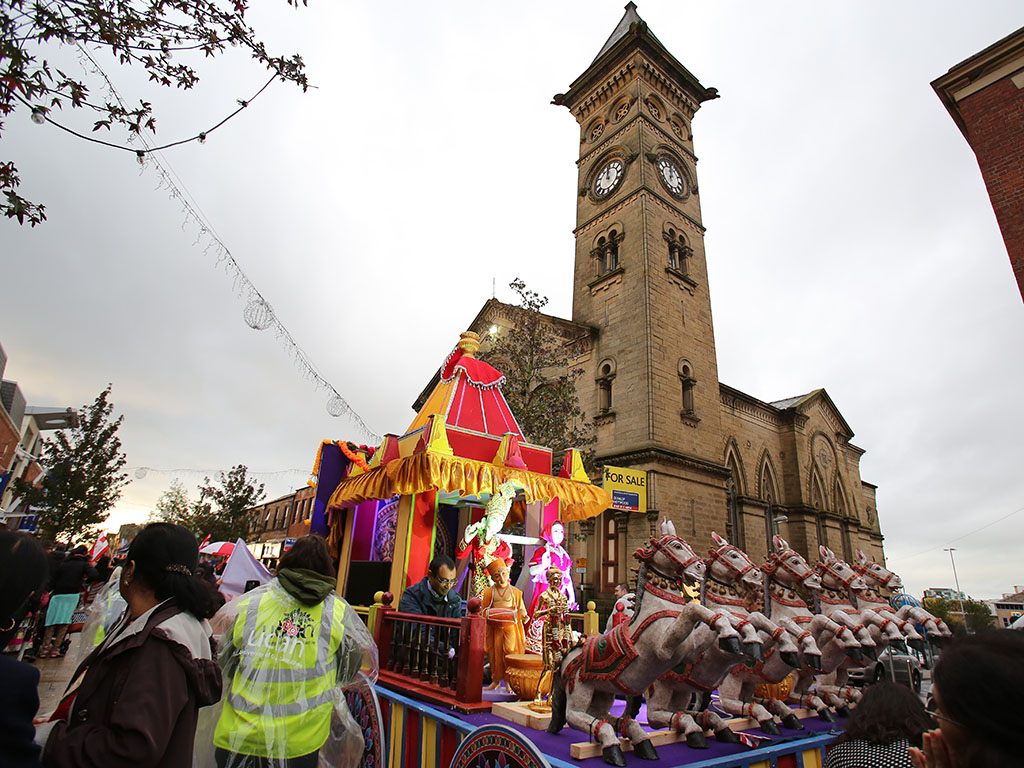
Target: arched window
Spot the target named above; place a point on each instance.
(733, 522)
(679, 252)
(605, 375)
(606, 250)
(612, 257)
(688, 382)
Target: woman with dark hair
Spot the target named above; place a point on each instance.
(978, 684)
(24, 572)
(887, 720)
(291, 646)
(134, 700)
(71, 576)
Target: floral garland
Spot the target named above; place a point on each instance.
(349, 449)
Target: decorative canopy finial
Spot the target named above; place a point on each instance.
(469, 343)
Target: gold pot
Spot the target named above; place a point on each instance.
(522, 674)
(780, 690)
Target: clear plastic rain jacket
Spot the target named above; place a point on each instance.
(107, 607)
(286, 664)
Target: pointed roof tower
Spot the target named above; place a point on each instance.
(468, 394)
(632, 32)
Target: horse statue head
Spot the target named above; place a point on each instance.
(788, 568)
(877, 576)
(670, 557)
(837, 574)
(728, 564)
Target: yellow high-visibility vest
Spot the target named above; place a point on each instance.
(283, 689)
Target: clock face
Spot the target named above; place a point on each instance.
(671, 176)
(608, 179)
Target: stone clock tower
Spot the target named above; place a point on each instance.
(713, 458)
(641, 277)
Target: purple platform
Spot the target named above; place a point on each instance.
(670, 754)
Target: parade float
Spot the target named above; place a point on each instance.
(731, 678)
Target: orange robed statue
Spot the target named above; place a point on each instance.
(505, 613)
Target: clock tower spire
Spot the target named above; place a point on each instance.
(641, 277)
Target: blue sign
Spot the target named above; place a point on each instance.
(288, 544)
(628, 501)
(29, 523)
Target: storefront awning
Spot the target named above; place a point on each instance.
(430, 471)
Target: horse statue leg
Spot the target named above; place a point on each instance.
(800, 697)
(737, 698)
(666, 708)
(588, 712)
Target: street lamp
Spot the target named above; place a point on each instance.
(776, 519)
(959, 594)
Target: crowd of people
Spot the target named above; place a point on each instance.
(177, 677)
(180, 678)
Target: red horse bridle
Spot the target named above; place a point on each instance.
(824, 567)
(661, 545)
(781, 561)
(717, 554)
(862, 570)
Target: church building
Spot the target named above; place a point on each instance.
(715, 458)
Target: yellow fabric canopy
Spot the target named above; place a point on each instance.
(429, 471)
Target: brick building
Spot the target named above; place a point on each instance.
(273, 523)
(985, 96)
(641, 329)
(21, 440)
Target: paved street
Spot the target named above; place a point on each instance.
(54, 675)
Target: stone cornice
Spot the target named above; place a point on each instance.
(746, 405)
(640, 191)
(656, 454)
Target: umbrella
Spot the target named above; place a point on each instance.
(223, 548)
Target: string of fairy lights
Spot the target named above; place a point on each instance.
(258, 313)
(141, 473)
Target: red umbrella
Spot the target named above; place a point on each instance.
(224, 548)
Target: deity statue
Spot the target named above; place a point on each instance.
(551, 554)
(504, 611)
(481, 538)
(553, 611)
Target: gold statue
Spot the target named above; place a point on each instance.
(505, 612)
(553, 606)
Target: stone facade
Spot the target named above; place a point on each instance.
(716, 459)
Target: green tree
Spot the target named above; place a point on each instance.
(222, 506)
(156, 35)
(540, 382)
(82, 473)
(173, 506)
(976, 614)
(979, 616)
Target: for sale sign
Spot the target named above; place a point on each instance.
(628, 488)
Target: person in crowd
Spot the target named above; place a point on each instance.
(978, 684)
(73, 574)
(624, 598)
(887, 720)
(134, 700)
(55, 554)
(103, 568)
(433, 594)
(292, 646)
(24, 573)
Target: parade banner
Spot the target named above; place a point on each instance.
(628, 488)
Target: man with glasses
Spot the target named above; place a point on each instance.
(433, 595)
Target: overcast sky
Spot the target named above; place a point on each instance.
(850, 242)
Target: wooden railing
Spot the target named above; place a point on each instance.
(440, 659)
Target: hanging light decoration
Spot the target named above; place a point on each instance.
(140, 473)
(38, 115)
(336, 406)
(258, 315)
